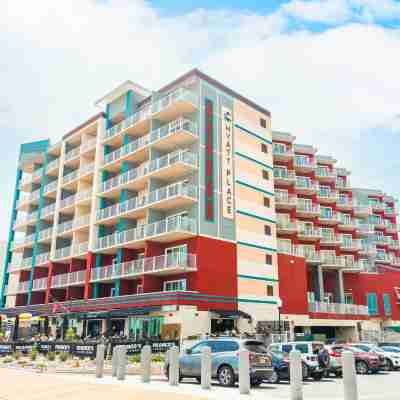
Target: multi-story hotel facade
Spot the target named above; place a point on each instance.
(155, 217)
(179, 212)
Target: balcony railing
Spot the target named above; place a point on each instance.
(152, 108)
(325, 173)
(45, 234)
(344, 202)
(73, 223)
(286, 226)
(31, 217)
(312, 256)
(51, 187)
(362, 209)
(283, 151)
(285, 199)
(382, 258)
(332, 195)
(42, 258)
(393, 244)
(39, 284)
(284, 175)
(172, 224)
(48, 210)
(332, 260)
(307, 208)
(337, 308)
(304, 163)
(309, 232)
(329, 217)
(77, 249)
(291, 250)
(68, 279)
(305, 184)
(164, 193)
(71, 154)
(29, 197)
(53, 165)
(22, 287)
(365, 228)
(23, 241)
(20, 265)
(75, 198)
(88, 145)
(345, 221)
(83, 170)
(165, 263)
(184, 156)
(330, 239)
(354, 244)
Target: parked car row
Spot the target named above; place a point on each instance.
(271, 364)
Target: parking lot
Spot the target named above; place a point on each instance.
(382, 386)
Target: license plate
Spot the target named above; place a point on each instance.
(264, 360)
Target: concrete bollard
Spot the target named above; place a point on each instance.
(121, 371)
(145, 363)
(100, 360)
(114, 361)
(206, 368)
(349, 376)
(244, 372)
(296, 376)
(173, 356)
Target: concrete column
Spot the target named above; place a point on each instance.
(173, 355)
(296, 376)
(340, 286)
(121, 372)
(145, 361)
(349, 376)
(114, 361)
(244, 372)
(321, 290)
(100, 360)
(206, 368)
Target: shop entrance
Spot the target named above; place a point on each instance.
(141, 328)
(117, 327)
(94, 328)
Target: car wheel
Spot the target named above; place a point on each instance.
(256, 382)
(318, 376)
(226, 377)
(338, 374)
(388, 365)
(361, 367)
(198, 379)
(274, 378)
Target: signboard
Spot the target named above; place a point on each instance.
(227, 163)
(156, 346)
(209, 161)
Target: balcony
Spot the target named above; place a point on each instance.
(53, 167)
(77, 250)
(25, 201)
(393, 244)
(377, 206)
(47, 212)
(159, 265)
(378, 222)
(390, 227)
(42, 259)
(344, 204)
(331, 261)
(76, 278)
(330, 240)
(29, 219)
(24, 264)
(166, 230)
(284, 177)
(327, 196)
(350, 245)
(167, 108)
(362, 210)
(328, 218)
(292, 250)
(367, 249)
(342, 185)
(390, 212)
(172, 165)
(39, 284)
(70, 181)
(75, 224)
(20, 243)
(364, 229)
(312, 257)
(395, 261)
(338, 308)
(346, 222)
(22, 287)
(286, 227)
(382, 258)
(305, 233)
(45, 235)
(175, 196)
(306, 186)
(282, 153)
(324, 175)
(304, 209)
(81, 198)
(50, 189)
(380, 240)
(304, 165)
(285, 201)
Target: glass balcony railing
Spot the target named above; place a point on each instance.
(284, 174)
(304, 163)
(75, 198)
(325, 173)
(184, 156)
(42, 258)
(306, 184)
(75, 223)
(29, 239)
(307, 208)
(28, 198)
(31, 217)
(39, 284)
(45, 234)
(337, 308)
(164, 193)
(72, 153)
(181, 262)
(20, 264)
(48, 210)
(83, 170)
(152, 108)
(77, 249)
(53, 165)
(68, 279)
(172, 224)
(51, 187)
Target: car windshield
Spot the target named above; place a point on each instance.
(255, 347)
(391, 349)
(355, 349)
(363, 347)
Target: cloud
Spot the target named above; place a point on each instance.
(329, 88)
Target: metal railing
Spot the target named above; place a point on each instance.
(23, 241)
(327, 194)
(332, 259)
(76, 249)
(51, 187)
(42, 258)
(53, 164)
(83, 170)
(310, 232)
(164, 193)
(337, 308)
(172, 224)
(303, 207)
(284, 198)
(349, 244)
(325, 239)
(39, 284)
(145, 266)
(184, 156)
(328, 216)
(68, 279)
(286, 225)
(29, 197)
(304, 163)
(48, 210)
(325, 173)
(306, 184)
(75, 198)
(19, 265)
(31, 217)
(152, 108)
(280, 173)
(45, 234)
(73, 223)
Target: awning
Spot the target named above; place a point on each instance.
(234, 314)
(117, 313)
(395, 328)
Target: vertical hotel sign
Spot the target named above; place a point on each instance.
(227, 163)
(209, 161)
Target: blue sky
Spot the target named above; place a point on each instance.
(327, 70)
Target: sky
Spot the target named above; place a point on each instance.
(327, 70)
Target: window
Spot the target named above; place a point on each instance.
(222, 346)
(302, 160)
(263, 122)
(303, 348)
(176, 255)
(326, 212)
(264, 148)
(386, 304)
(267, 230)
(372, 303)
(268, 259)
(255, 346)
(267, 202)
(285, 246)
(173, 286)
(348, 298)
(199, 347)
(270, 290)
(279, 148)
(265, 174)
(280, 172)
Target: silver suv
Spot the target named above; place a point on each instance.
(225, 360)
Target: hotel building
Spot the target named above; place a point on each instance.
(339, 258)
(156, 217)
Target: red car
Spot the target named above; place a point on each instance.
(365, 361)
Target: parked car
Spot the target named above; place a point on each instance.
(389, 356)
(314, 367)
(364, 361)
(371, 348)
(335, 362)
(391, 344)
(225, 361)
(281, 364)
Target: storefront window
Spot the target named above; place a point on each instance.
(145, 328)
